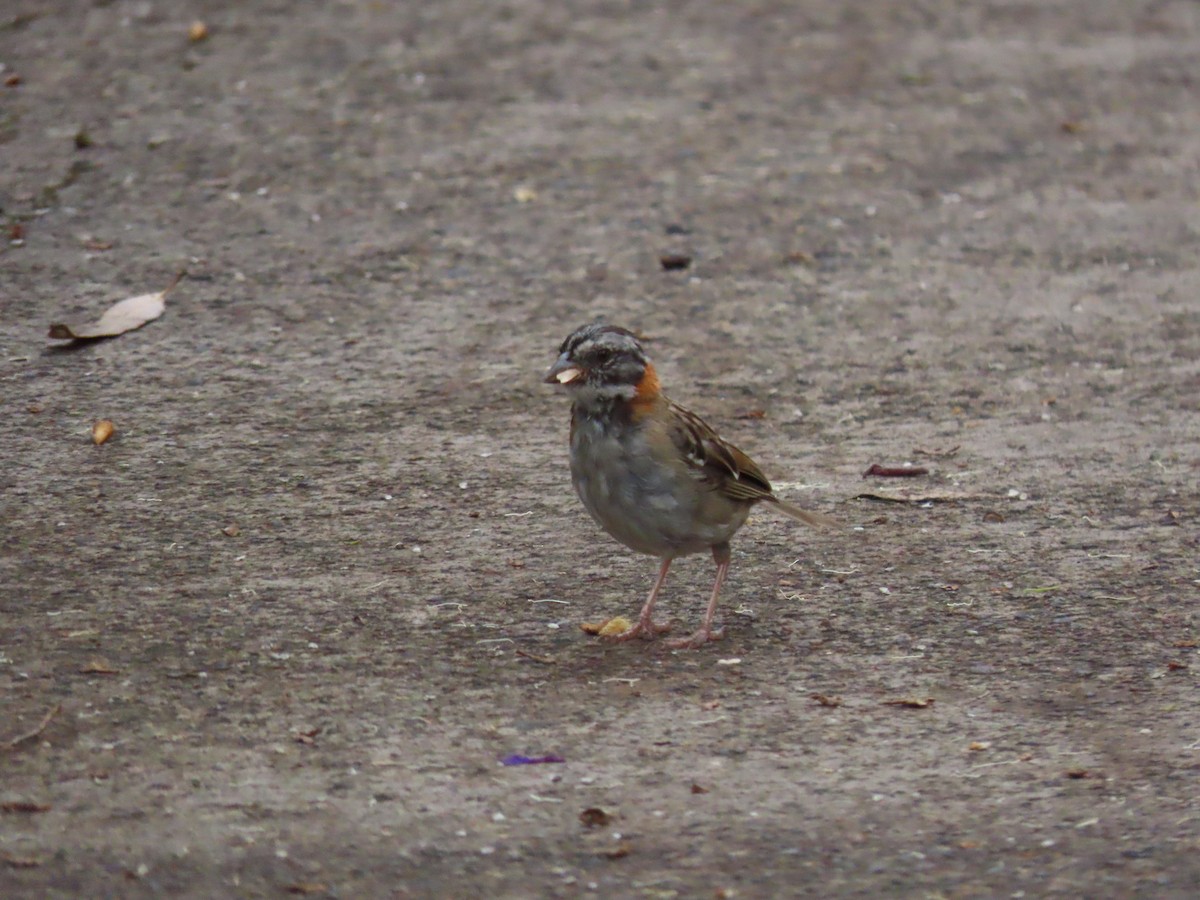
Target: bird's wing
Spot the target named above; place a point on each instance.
(730, 471)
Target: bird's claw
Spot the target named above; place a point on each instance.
(697, 640)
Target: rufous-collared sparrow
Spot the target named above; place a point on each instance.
(654, 475)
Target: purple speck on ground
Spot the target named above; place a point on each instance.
(516, 759)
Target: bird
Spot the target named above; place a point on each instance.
(653, 474)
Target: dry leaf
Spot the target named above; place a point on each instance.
(21, 862)
(976, 746)
(131, 313)
(524, 194)
(197, 31)
(911, 702)
(23, 806)
(102, 431)
(697, 789)
(615, 626)
(937, 452)
(905, 471)
(544, 660)
(306, 887)
(608, 628)
(232, 530)
(595, 817)
(825, 700)
(620, 851)
(98, 667)
(308, 737)
(917, 495)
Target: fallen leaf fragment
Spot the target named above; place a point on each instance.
(697, 789)
(1078, 773)
(308, 737)
(231, 530)
(620, 851)
(617, 625)
(894, 471)
(544, 660)
(21, 862)
(977, 746)
(937, 452)
(98, 667)
(306, 887)
(524, 194)
(824, 700)
(673, 262)
(595, 817)
(130, 313)
(197, 31)
(911, 702)
(23, 806)
(102, 431)
(911, 495)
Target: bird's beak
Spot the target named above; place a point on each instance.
(564, 371)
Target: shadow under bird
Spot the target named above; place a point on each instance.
(654, 475)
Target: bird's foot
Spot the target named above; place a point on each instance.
(697, 640)
(646, 629)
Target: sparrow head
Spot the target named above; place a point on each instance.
(601, 362)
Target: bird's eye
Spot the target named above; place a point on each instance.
(602, 354)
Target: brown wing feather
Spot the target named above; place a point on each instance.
(729, 469)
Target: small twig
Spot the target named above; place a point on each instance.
(30, 735)
(179, 276)
(895, 471)
(544, 660)
(936, 452)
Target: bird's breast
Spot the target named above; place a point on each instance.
(646, 500)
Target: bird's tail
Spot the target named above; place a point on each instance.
(816, 520)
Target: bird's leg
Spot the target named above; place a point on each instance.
(706, 633)
(646, 627)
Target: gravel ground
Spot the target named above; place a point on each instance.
(275, 636)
